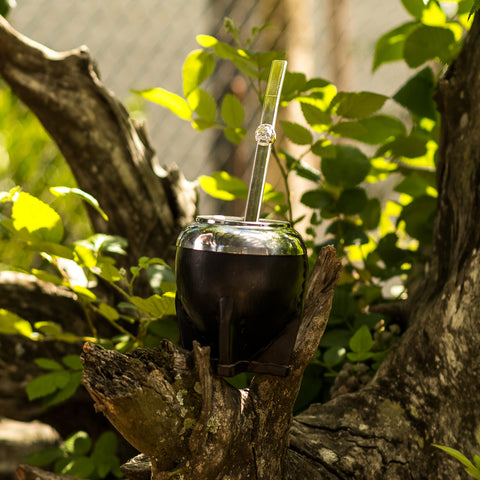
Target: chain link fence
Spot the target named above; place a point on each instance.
(142, 43)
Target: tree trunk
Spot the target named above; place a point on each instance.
(193, 425)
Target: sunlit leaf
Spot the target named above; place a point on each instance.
(232, 111)
(198, 66)
(156, 305)
(206, 41)
(224, 186)
(12, 324)
(457, 455)
(92, 201)
(203, 104)
(48, 328)
(36, 220)
(389, 47)
(172, 101)
(234, 135)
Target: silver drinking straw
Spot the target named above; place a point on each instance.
(265, 137)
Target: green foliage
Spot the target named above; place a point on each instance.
(79, 457)
(356, 143)
(353, 142)
(35, 226)
(61, 381)
(29, 158)
(473, 470)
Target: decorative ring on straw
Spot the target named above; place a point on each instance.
(265, 134)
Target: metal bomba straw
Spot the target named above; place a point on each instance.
(265, 137)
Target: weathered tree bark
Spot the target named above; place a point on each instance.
(427, 391)
(192, 423)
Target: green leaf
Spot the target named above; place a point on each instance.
(224, 186)
(361, 340)
(357, 104)
(297, 133)
(198, 66)
(414, 185)
(64, 393)
(109, 272)
(457, 455)
(348, 168)
(318, 198)
(203, 104)
(108, 312)
(79, 467)
(389, 253)
(206, 41)
(234, 135)
(417, 94)
(428, 43)
(49, 329)
(359, 356)
(349, 232)
(373, 130)
(54, 249)
(352, 201)
(247, 65)
(12, 324)
(410, 147)
(370, 215)
(344, 305)
(389, 47)
(46, 384)
(106, 444)
(156, 305)
(92, 201)
(78, 443)
(350, 129)
(73, 362)
(476, 6)
(334, 355)
(232, 111)
(48, 364)
(414, 7)
(35, 220)
(293, 83)
(335, 338)
(318, 119)
(172, 101)
(43, 457)
(418, 217)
